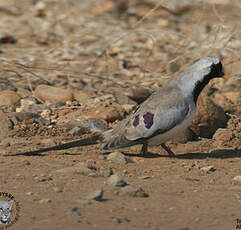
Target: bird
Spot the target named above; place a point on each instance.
(167, 112)
(162, 116)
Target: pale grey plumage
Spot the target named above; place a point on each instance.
(172, 108)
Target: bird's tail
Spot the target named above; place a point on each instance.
(95, 139)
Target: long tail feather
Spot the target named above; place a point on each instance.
(87, 141)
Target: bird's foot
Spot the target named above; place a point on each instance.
(144, 149)
(168, 150)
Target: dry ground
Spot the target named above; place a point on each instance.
(97, 48)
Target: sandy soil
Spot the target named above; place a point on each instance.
(96, 48)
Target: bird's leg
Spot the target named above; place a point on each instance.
(169, 151)
(144, 149)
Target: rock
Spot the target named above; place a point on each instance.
(118, 157)
(45, 201)
(50, 94)
(174, 67)
(208, 169)
(238, 196)
(110, 113)
(120, 220)
(9, 98)
(97, 195)
(78, 131)
(58, 189)
(222, 136)
(138, 94)
(122, 99)
(234, 97)
(24, 93)
(209, 117)
(79, 95)
(6, 124)
(75, 211)
(237, 178)
(25, 116)
(7, 39)
(232, 63)
(87, 125)
(132, 191)
(116, 180)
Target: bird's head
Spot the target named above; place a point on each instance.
(208, 68)
(194, 78)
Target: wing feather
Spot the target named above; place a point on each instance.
(162, 111)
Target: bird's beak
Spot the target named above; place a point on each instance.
(225, 77)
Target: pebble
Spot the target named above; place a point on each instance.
(120, 220)
(117, 157)
(132, 191)
(87, 125)
(58, 189)
(237, 178)
(138, 94)
(50, 94)
(123, 99)
(75, 211)
(78, 131)
(208, 169)
(7, 39)
(116, 180)
(97, 195)
(9, 98)
(238, 196)
(45, 201)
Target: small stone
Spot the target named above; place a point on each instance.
(87, 125)
(58, 189)
(97, 195)
(138, 94)
(50, 94)
(208, 169)
(132, 191)
(238, 196)
(237, 178)
(45, 201)
(75, 211)
(122, 99)
(78, 131)
(116, 180)
(9, 98)
(7, 39)
(114, 51)
(120, 220)
(118, 157)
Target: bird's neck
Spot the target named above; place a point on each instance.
(199, 87)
